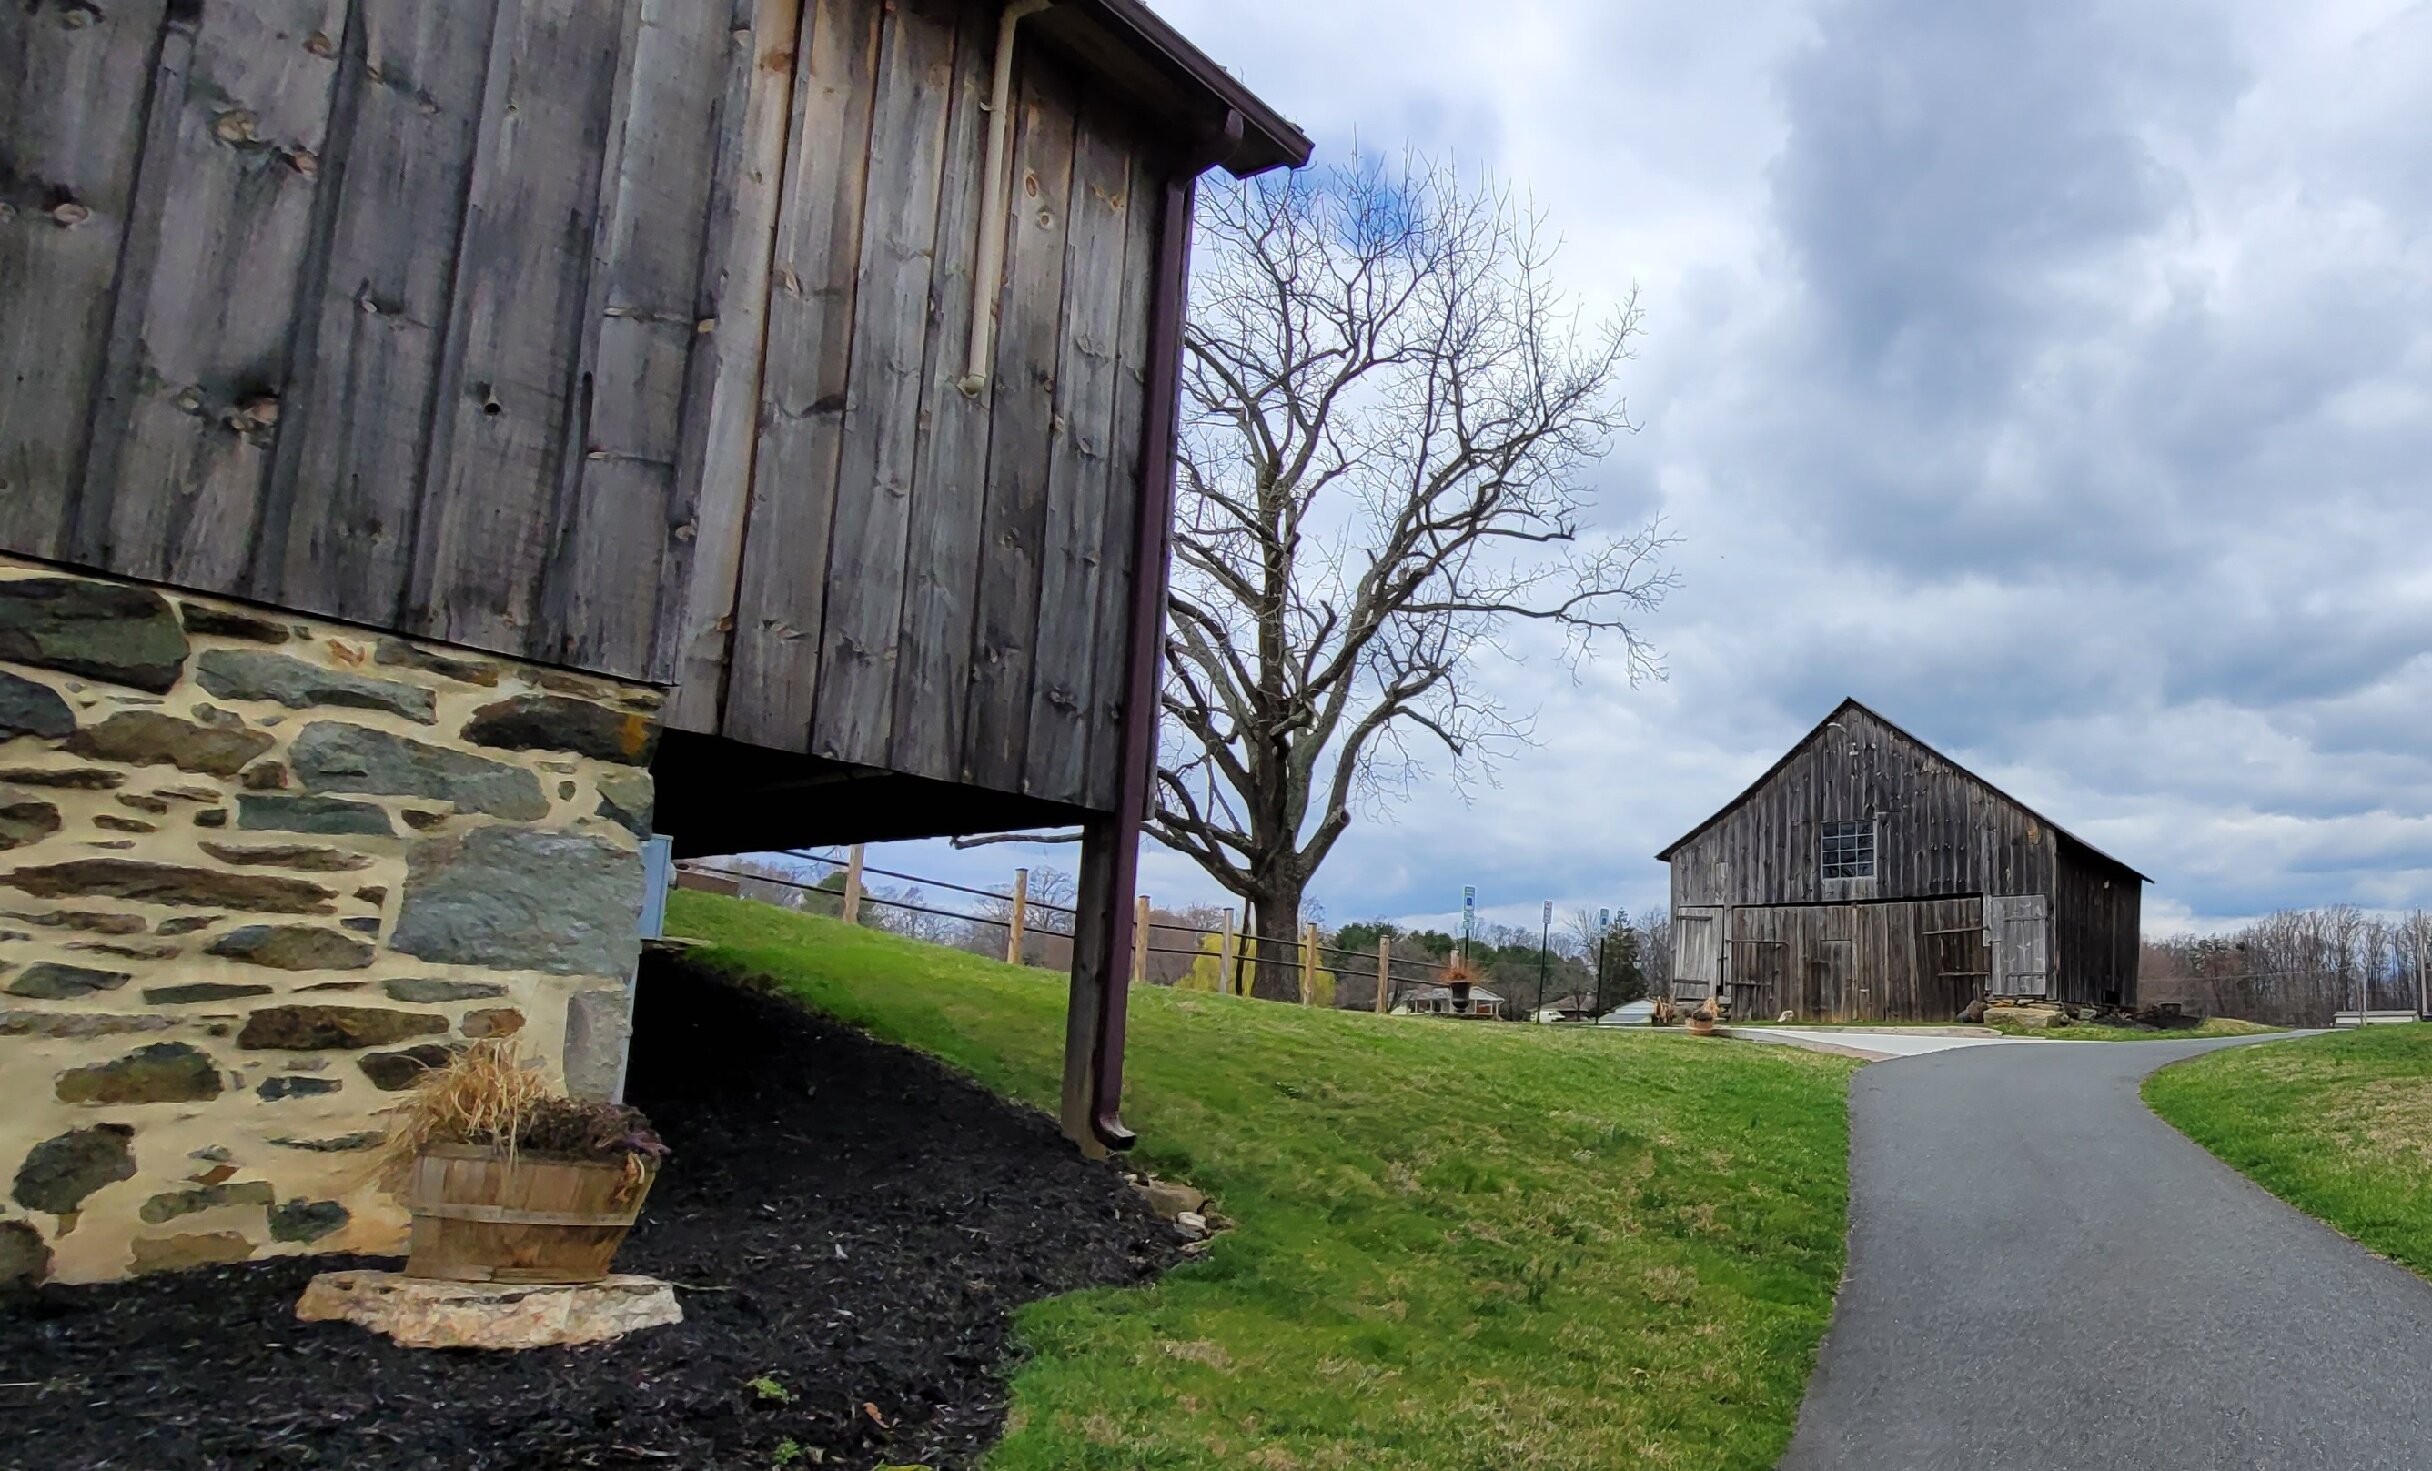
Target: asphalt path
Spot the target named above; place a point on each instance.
(2044, 1275)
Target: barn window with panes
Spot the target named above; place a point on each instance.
(1849, 850)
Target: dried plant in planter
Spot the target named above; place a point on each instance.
(509, 1180)
(1459, 972)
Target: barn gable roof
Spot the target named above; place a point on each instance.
(1897, 729)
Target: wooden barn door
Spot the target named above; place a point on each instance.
(2018, 928)
(1697, 953)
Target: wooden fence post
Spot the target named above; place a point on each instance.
(1021, 906)
(852, 886)
(1224, 955)
(1308, 963)
(1140, 941)
(1384, 961)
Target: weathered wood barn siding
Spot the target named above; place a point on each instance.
(625, 335)
(1911, 943)
(1940, 831)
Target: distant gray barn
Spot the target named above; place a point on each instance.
(1866, 876)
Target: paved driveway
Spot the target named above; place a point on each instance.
(2044, 1275)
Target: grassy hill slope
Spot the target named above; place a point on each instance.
(2339, 1126)
(1458, 1246)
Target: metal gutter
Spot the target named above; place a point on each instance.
(1151, 566)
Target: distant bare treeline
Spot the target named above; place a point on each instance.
(2295, 968)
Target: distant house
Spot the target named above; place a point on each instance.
(1459, 998)
(1571, 1008)
(1867, 876)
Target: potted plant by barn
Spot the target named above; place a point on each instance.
(508, 1180)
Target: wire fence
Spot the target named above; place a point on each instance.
(1042, 923)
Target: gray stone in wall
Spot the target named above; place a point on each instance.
(394, 1072)
(26, 822)
(101, 921)
(398, 654)
(293, 947)
(287, 1085)
(71, 778)
(170, 883)
(427, 990)
(60, 1172)
(177, 1253)
(31, 709)
(254, 674)
(149, 738)
(109, 631)
(556, 723)
(306, 1220)
(288, 855)
(222, 623)
(338, 1144)
(170, 1204)
(76, 1025)
(331, 756)
(516, 899)
(52, 980)
(164, 1072)
(326, 815)
(323, 1028)
(25, 1258)
(599, 1028)
(626, 796)
(194, 991)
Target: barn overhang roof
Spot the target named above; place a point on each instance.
(1143, 55)
(1897, 729)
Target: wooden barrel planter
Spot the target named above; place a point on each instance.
(1700, 1026)
(480, 1217)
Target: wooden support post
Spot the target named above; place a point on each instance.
(852, 886)
(1224, 955)
(1384, 962)
(1021, 907)
(1139, 976)
(1099, 943)
(1308, 963)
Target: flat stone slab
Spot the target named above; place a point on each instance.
(423, 1312)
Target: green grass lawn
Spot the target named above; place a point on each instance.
(2211, 1026)
(1458, 1246)
(2339, 1126)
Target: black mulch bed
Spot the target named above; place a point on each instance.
(853, 1221)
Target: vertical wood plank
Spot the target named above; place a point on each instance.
(950, 477)
(520, 334)
(861, 633)
(1123, 500)
(725, 403)
(1021, 411)
(804, 379)
(1084, 457)
(184, 431)
(355, 423)
(619, 556)
(75, 83)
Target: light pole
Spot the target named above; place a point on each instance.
(1544, 938)
(1604, 927)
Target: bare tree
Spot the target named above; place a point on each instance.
(1388, 410)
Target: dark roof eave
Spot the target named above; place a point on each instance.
(1895, 727)
(1268, 139)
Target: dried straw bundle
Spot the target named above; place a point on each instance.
(491, 1094)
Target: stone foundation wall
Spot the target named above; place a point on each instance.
(256, 873)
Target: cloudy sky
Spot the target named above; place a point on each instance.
(2055, 377)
